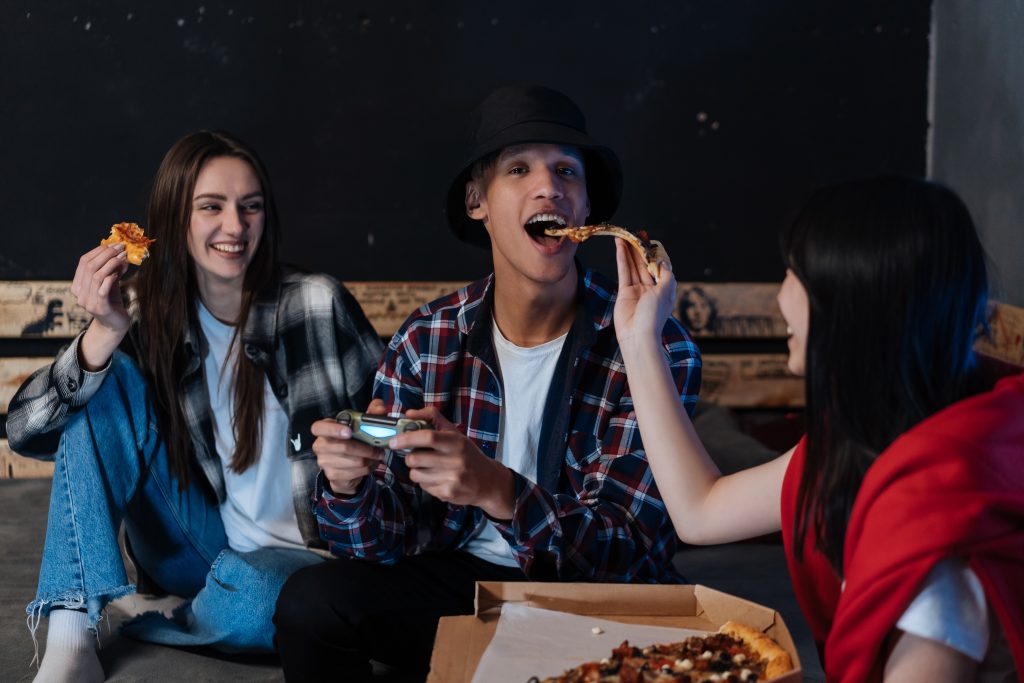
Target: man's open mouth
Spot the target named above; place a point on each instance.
(536, 226)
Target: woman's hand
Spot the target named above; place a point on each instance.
(95, 286)
(642, 306)
(705, 506)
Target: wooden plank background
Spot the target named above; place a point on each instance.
(47, 309)
(13, 466)
(1005, 339)
(731, 310)
(14, 371)
(33, 309)
(750, 381)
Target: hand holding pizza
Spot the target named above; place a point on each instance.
(642, 305)
(448, 466)
(95, 287)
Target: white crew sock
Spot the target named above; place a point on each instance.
(70, 655)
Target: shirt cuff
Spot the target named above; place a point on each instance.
(524, 491)
(344, 509)
(75, 385)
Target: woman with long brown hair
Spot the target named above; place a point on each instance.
(183, 411)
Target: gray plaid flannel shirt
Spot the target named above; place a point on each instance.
(307, 332)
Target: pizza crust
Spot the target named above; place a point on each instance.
(136, 244)
(652, 251)
(779, 661)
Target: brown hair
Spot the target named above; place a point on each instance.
(167, 293)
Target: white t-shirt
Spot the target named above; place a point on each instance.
(258, 511)
(526, 377)
(951, 609)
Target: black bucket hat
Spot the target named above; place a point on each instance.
(519, 114)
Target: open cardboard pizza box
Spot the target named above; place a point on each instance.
(461, 641)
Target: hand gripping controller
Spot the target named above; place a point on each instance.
(377, 430)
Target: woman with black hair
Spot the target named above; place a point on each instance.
(184, 410)
(902, 509)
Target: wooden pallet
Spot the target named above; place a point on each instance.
(14, 466)
(46, 309)
(724, 311)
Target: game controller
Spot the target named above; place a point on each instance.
(377, 430)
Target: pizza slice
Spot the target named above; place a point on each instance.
(777, 660)
(136, 244)
(652, 251)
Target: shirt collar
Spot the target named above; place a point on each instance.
(597, 296)
(258, 336)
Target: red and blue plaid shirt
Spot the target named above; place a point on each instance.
(594, 514)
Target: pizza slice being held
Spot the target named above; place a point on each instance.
(136, 244)
(652, 251)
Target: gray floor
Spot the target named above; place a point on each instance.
(756, 571)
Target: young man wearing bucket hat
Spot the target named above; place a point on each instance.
(534, 469)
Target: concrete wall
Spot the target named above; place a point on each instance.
(977, 116)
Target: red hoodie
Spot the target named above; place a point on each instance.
(952, 486)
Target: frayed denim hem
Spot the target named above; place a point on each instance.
(93, 605)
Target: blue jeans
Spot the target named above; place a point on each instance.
(111, 467)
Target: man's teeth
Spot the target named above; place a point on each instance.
(229, 248)
(547, 218)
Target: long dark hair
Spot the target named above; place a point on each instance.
(895, 277)
(167, 293)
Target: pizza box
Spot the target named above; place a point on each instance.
(461, 640)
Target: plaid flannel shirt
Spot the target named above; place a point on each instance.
(306, 331)
(594, 513)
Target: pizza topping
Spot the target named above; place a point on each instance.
(136, 244)
(715, 657)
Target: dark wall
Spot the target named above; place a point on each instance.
(724, 113)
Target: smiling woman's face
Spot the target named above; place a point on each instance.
(227, 221)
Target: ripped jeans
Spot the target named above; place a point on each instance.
(111, 467)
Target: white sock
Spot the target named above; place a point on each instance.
(70, 655)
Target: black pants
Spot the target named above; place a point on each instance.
(333, 618)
